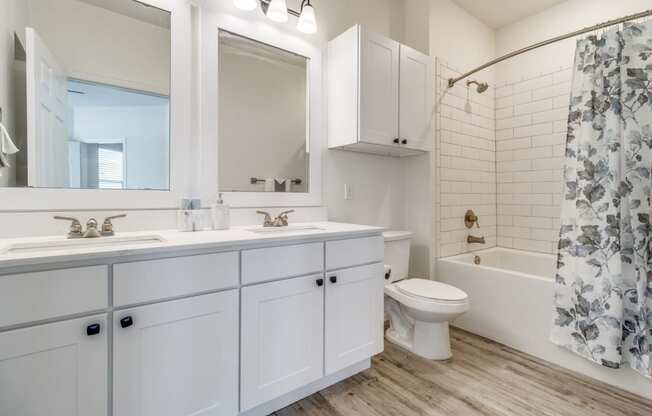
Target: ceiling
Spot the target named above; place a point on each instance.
(499, 13)
(84, 94)
(135, 10)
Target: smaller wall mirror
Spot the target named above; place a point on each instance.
(264, 139)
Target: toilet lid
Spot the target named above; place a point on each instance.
(431, 290)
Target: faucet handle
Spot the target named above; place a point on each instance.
(470, 218)
(75, 226)
(107, 225)
(268, 218)
(285, 213)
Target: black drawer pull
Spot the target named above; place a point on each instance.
(126, 322)
(93, 329)
(397, 140)
(320, 282)
(404, 141)
(333, 279)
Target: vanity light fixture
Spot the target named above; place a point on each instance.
(278, 11)
(246, 5)
(307, 22)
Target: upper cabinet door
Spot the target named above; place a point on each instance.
(57, 369)
(177, 358)
(354, 315)
(417, 100)
(282, 338)
(379, 75)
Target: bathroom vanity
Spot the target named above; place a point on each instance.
(215, 323)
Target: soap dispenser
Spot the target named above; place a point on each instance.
(220, 214)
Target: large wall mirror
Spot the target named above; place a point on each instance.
(263, 128)
(84, 94)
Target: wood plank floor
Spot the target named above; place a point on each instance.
(483, 378)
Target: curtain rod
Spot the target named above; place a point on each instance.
(453, 81)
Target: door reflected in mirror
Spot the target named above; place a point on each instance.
(84, 93)
(263, 141)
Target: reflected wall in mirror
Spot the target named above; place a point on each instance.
(263, 141)
(84, 94)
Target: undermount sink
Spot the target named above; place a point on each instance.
(286, 229)
(58, 245)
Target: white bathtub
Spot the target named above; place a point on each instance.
(511, 293)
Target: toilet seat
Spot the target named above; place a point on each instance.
(431, 290)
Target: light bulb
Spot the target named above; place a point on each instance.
(247, 5)
(278, 11)
(307, 22)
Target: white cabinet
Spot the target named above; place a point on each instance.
(282, 338)
(417, 98)
(57, 369)
(177, 358)
(379, 82)
(354, 315)
(380, 95)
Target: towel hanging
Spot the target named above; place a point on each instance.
(7, 147)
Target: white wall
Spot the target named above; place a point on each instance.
(563, 18)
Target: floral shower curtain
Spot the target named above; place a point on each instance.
(603, 288)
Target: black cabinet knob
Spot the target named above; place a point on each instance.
(93, 329)
(126, 322)
(397, 140)
(333, 279)
(404, 141)
(320, 282)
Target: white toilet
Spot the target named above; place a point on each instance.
(419, 310)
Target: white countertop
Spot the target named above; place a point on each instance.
(172, 241)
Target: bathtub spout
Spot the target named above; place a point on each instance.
(475, 240)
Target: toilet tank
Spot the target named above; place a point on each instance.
(397, 253)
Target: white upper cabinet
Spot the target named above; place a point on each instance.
(379, 81)
(177, 358)
(57, 369)
(416, 103)
(380, 95)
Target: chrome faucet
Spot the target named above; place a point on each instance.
(107, 225)
(281, 219)
(77, 231)
(75, 226)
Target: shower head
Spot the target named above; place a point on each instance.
(482, 86)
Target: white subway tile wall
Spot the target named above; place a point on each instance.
(465, 163)
(531, 118)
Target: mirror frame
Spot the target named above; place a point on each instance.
(212, 21)
(181, 138)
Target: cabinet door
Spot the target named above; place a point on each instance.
(177, 358)
(55, 370)
(417, 100)
(282, 338)
(379, 75)
(354, 315)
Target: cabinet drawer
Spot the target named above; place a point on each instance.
(35, 296)
(145, 281)
(272, 263)
(347, 253)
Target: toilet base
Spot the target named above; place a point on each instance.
(430, 340)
